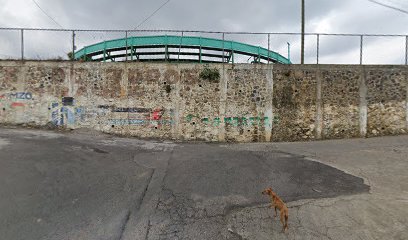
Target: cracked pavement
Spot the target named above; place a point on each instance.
(87, 185)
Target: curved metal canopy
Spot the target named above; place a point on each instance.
(175, 48)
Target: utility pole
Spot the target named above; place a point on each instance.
(288, 50)
(302, 47)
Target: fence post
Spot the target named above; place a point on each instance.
(317, 48)
(406, 50)
(223, 48)
(126, 55)
(361, 49)
(200, 57)
(181, 41)
(73, 46)
(259, 54)
(166, 50)
(22, 44)
(288, 51)
(269, 41)
(104, 51)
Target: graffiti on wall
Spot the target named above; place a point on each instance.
(65, 112)
(15, 99)
(22, 95)
(2, 100)
(86, 114)
(149, 123)
(131, 110)
(231, 121)
(67, 101)
(142, 116)
(2, 105)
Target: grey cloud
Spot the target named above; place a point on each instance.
(343, 16)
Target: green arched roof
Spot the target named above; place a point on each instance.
(107, 48)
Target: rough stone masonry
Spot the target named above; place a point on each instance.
(248, 103)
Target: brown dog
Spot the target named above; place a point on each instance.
(277, 203)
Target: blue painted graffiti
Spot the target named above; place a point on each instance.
(123, 122)
(64, 113)
(22, 95)
(68, 115)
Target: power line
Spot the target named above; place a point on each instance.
(389, 6)
(47, 14)
(42, 10)
(92, 36)
(399, 3)
(302, 41)
(151, 15)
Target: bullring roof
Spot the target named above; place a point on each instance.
(175, 48)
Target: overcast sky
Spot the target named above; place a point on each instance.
(322, 16)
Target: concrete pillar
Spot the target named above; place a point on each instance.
(22, 76)
(124, 92)
(124, 82)
(223, 103)
(18, 116)
(175, 130)
(269, 104)
(406, 101)
(363, 103)
(70, 79)
(319, 105)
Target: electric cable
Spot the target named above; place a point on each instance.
(389, 6)
(151, 15)
(42, 10)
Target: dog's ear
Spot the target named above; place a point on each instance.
(270, 189)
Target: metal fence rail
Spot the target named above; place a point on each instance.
(320, 48)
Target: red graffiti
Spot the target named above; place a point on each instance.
(2, 96)
(17, 104)
(157, 114)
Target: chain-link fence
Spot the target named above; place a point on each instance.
(320, 48)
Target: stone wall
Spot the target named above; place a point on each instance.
(249, 102)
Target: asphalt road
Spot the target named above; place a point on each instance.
(85, 185)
